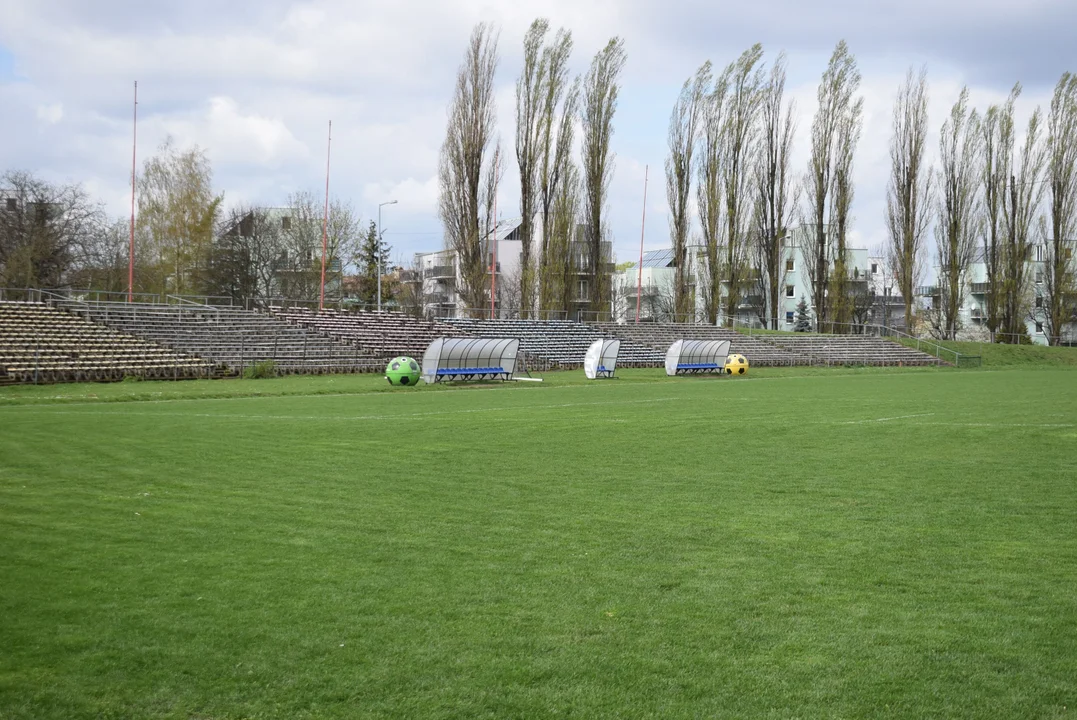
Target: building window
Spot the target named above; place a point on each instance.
(789, 317)
(285, 223)
(1039, 301)
(12, 205)
(1039, 276)
(789, 265)
(790, 291)
(1039, 327)
(874, 268)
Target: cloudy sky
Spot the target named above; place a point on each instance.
(255, 83)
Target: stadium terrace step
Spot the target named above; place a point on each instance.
(852, 350)
(661, 336)
(233, 337)
(560, 343)
(384, 334)
(42, 344)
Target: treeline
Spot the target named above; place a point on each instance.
(730, 144)
(185, 241)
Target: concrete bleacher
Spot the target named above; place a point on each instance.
(42, 344)
(852, 350)
(561, 343)
(387, 334)
(660, 337)
(235, 337)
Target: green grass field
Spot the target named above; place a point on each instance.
(798, 543)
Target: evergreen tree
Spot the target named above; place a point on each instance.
(803, 323)
(368, 265)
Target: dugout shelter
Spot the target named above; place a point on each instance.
(470, 359)
(601, 359)
(695, 357)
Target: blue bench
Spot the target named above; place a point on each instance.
(603, 371)
(700, 367)
(465, 372)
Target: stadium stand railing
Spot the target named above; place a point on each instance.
(44, 344)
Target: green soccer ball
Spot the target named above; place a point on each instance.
(402, 371)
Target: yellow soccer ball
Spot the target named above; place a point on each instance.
(736, 364)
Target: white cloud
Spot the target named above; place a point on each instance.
(50, 114)
(257, 86)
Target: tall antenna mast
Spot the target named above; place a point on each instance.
(325, 218)
(643, 226)
(131, 249)
(493, 255)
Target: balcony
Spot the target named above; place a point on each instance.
(585, 268)
(927, 290)
(980, 288)
(437, 299)
(440, 271)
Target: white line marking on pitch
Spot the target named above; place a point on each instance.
(1013, 425)
(886, 419)
(337, 418)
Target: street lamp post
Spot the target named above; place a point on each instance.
(390, 202)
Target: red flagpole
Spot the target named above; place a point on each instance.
(493, 259)
(131, 249)
(643, 226)
(325, 219)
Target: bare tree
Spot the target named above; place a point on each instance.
(908, 200)
(775, 196)
(46, 231)
(738, 139)
(465, 162)
(104, 264)
(530, 120)
(1060, 270)
(508, 294)
(709, 198)
(997, 132)
(298, 269)
(840, 82)
(683, 130)
(249, 252)
(560, 102)
(861, 300)
(600, 90)
(957, 210)
(1019, 208)
(410, 293)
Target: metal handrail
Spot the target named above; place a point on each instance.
(185, 301)
(920, 342)
(55, 296)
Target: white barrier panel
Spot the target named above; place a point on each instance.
(601, 359)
